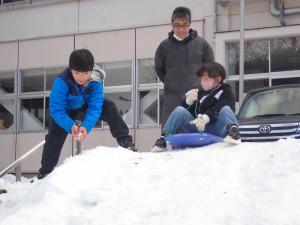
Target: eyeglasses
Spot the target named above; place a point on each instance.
(180, 26)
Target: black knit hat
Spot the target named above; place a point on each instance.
(81, 60)
(181, 12)
(213, 70)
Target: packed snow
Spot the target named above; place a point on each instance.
(220, 184)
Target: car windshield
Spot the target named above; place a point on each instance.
(279, 102)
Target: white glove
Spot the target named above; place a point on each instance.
(201, 121)
(191, 96)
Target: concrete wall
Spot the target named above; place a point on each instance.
(72, 17)
(8, 56)
(257, 15)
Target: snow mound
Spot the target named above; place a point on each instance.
(253, 183)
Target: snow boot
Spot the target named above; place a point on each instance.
(42, 175)
(127, 143)
(160, 145)
(233, 134)
(3, 191)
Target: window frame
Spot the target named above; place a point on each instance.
(157, 86)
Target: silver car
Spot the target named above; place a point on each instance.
(269, 114)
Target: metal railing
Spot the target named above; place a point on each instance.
(18, 161)
(76, 150)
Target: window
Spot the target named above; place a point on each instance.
(32, 80)
(118, 87)
(47, 113)
(35, 86)
(32, 114)
(285, 54)
(7, 118)
(256, 57)
(11, 1)
(283, 81)
(123, 102)
(147, 72)
(7, 82)
(51, 73)
(7, 101)
(149, 107)
(150, 91)
(265, 58)
(118, 73)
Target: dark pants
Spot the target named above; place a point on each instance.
(56, 136)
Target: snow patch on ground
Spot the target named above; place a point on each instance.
(252, 183)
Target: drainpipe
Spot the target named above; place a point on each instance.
(215, 17)
(281, 11)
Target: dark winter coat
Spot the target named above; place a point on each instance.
(210, 102)
(176, 64)
(66, 95)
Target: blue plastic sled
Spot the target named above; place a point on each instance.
(192, 140)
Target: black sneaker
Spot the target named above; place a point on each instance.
(233, 135)
(132, 147)
(160, 145)
(42, 175)
(3, 191)
(127, 143)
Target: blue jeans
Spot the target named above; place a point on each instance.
(180, 118)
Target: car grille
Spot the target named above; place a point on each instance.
(268, 132)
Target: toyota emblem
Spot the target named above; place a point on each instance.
(264, 129)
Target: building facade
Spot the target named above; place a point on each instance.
(36, 38)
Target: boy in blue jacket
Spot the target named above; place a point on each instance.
(77, 94)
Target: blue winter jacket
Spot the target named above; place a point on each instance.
(66, 95)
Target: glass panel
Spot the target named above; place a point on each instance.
(6, 114)
(123, 102)
(147, 72)
(7, 82)
(47, 113)
(281, 101)
(51, 73)
(32, 80)
(118, 73)
(256, 57)
(285, 54)
(10, 1)
(248, 85)
(283, 81)
(161, 93)
(32, 113)
(148, 107)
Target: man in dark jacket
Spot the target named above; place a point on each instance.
(209, 109)
(178, 58)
